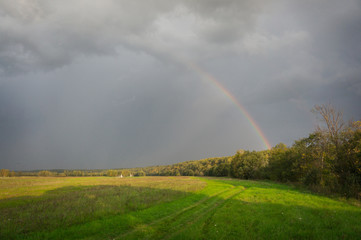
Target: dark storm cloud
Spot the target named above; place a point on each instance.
(105, 84)
(42, 35)
(37, 34)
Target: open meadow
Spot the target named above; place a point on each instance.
(169, 208)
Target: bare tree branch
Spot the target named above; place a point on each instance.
(333, 119)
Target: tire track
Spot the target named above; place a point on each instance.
(177, 214)
(218, 204)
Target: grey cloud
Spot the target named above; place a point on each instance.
(335, 28)
(44, 35)
(223, 22)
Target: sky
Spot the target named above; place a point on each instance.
(119, 84)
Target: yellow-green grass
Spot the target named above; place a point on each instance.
(169, 208)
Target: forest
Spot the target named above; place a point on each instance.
(328, 161)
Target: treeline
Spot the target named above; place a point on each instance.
(328, 160)
(219, 167)
(71, 173)
(205, 167)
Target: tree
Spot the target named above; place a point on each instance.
(329, 139)
(333, 120)
(4, 173)
(140, 173)
(112, 173)
(45, 173)
(248, 164)
(338, 151)
(348, 166)
(125, 173)
(279, 166)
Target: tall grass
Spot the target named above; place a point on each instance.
(42, 204)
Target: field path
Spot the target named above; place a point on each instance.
(177, 222)
(207, 213)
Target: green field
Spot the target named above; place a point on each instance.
(169, 208)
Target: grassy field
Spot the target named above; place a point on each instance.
(169, 208)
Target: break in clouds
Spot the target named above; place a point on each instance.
(107, 84)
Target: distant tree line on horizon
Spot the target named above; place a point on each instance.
(328, 161)
(70, 173)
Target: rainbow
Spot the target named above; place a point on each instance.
(228, 94)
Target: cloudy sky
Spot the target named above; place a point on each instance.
(120, 83)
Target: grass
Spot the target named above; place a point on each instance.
(169, 208)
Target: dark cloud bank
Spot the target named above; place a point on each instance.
(104, 84)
